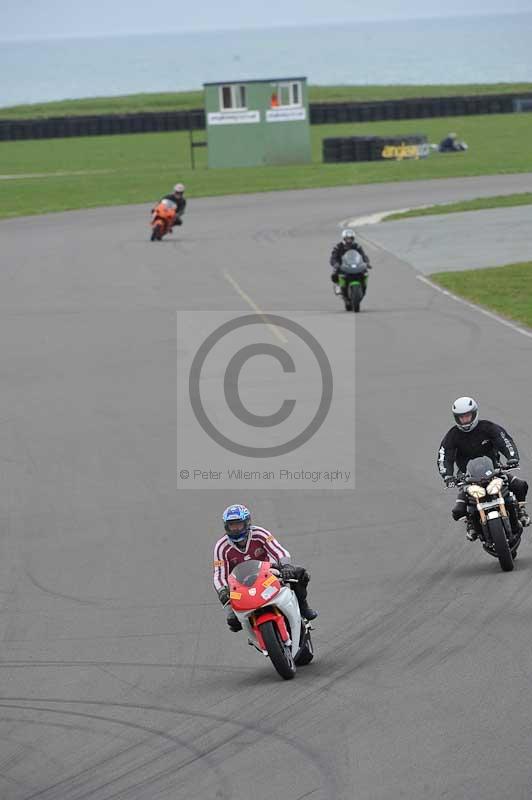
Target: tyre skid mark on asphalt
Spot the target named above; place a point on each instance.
(472, 326)
(21, 750)
(466, 633)
(24, 721)
(62, 784)
(61, 725)
(21, 664)
(517, 655)
(376, 638)
(391, 654)
(261, 730)
(368, 626)
(60, 595)
(12, 781)
(111, 605)
(395, 633)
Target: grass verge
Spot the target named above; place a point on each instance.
(498, 201)
(139, 168)
(506, 290)
(173, 101)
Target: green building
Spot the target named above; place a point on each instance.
(254, 123)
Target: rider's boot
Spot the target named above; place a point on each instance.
(307, 612)
(471, 534)
(524, 517)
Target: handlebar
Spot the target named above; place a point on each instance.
(463, 480)
(276, 572)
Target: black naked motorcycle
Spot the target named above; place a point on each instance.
(492, 509)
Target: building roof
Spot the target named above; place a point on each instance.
(256, 80)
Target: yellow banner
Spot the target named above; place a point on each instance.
(400, 151)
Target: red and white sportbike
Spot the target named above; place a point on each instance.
(269, 613)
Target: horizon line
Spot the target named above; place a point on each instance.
(325, 23)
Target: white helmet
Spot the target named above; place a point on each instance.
(348, 233)
(465, 406)
(179, 187)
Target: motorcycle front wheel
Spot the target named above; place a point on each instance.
(280, 653)
(500, 542)
(356, 296)
(157, 233)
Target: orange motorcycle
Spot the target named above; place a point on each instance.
(162, 219)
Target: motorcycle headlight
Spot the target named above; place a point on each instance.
(495, 486)
(476, 491)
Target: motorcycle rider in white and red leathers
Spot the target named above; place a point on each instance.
(243, 541)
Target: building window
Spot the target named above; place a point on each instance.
(286, 94)
(296, 94)
(232, 97)
(227, 97)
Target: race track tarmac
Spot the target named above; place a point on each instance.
(466, 240)
(118, 677)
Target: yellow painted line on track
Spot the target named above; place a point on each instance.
(273, 328)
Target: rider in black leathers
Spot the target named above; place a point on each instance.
(472, 437)
(348, 242)
(177, 196)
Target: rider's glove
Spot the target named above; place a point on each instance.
(223, 595)
(334, 277)
(232, 620)
(512, 463)
(287, 572)
(450, 481)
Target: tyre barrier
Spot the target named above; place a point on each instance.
(375, 148)
(417, 108)
(101, 125)
(320, 114)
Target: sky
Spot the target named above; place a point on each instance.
(48, 18)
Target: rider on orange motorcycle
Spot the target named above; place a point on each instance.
(177, 196)
(243, 541)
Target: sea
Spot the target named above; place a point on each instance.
(480, 49)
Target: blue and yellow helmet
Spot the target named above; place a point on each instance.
(237, 520)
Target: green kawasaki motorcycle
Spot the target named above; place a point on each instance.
(352, 280)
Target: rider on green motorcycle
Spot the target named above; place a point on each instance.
(348, 242)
